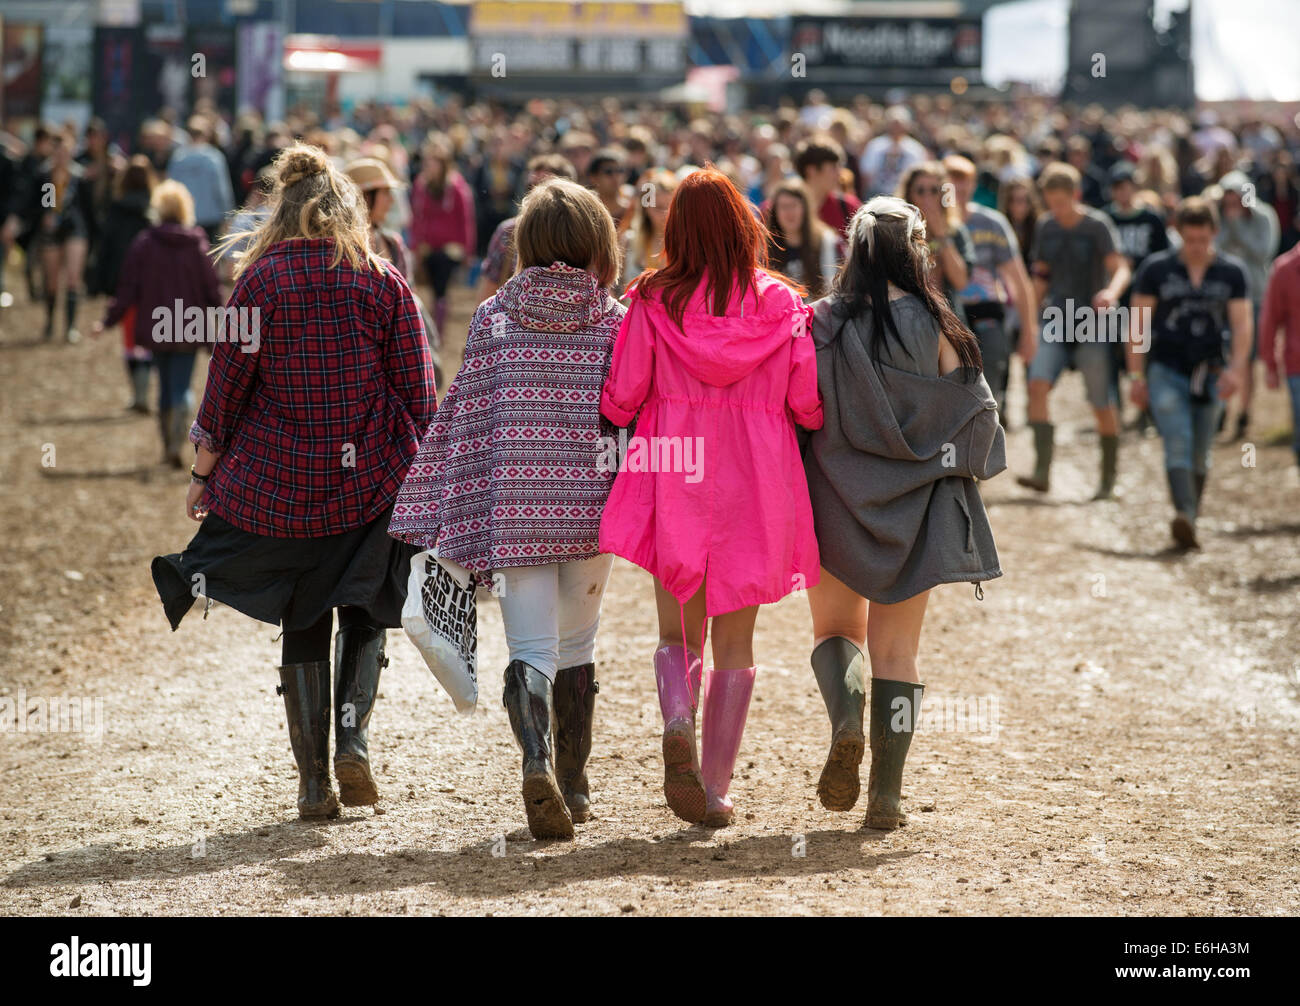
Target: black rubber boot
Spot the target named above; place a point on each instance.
(1044, 445)
(528, 700)
(837, 664)
(70, 331)
(1109, 466)
(167, 427)
(306, 691)
(895, 706)
(358, 660)
(575, 704)
(1182, 489)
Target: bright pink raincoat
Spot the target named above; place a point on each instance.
(718, 400)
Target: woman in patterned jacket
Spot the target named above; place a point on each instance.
(511, 481)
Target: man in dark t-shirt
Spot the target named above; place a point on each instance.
(1185, 305)
(1141, 233)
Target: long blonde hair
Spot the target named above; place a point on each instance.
(310, 199)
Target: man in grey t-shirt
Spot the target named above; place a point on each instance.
(1075, 249)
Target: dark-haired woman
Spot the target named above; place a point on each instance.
(127, 216)
(378, 187)
(910, 426)
(800, 245)
(62, 233)
(442, 221)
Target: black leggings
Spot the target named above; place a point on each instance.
(313, 643)
(439, 266)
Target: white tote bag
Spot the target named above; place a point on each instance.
(441, 619)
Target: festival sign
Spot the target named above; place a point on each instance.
(844, 47)
(552, 37)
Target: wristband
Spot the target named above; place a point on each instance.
(196, 477)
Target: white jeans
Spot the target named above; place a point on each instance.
(551, 612)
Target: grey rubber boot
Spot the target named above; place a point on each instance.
(1044, 446)
(1109, 466)
(895, 706)
(837, 664)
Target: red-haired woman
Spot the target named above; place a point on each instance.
(714, 364)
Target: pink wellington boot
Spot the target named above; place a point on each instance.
(679, 688)
(726, 705)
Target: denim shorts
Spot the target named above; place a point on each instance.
(1095, 360)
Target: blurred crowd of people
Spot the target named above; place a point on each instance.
(443, 183)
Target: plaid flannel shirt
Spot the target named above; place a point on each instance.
(316, 428)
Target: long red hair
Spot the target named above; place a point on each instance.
(710, 228)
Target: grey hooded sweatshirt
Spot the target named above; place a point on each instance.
(892, 473)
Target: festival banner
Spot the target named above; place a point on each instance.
(844, 47)
(20, 84)
(68, 74)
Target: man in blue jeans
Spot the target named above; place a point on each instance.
(1079, 274)
(1194, 299)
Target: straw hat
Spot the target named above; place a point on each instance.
(371, 173)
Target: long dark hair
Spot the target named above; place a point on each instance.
(887, 245)
(806, 245)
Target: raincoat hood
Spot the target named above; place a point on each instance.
(721, 350)
(894, 413)
(554, 298)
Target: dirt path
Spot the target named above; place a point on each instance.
(1133, 748)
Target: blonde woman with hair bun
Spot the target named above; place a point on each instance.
(319, 390)
(166, 265)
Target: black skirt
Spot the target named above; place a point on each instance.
(290, 582)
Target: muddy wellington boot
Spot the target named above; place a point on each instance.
(1044, 445)
(895, 706)
(1109, 466)
(837, 664)
(528, 698)
(306, 691)
(575, 705)
(358, 660)
(677, 677)
(726, 707)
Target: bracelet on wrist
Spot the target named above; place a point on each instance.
(196, 477)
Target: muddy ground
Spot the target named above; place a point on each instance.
(1134, 749)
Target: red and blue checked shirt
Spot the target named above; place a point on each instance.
(317, 427)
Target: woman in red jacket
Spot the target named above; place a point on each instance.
(442, 221)
(310, 419)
